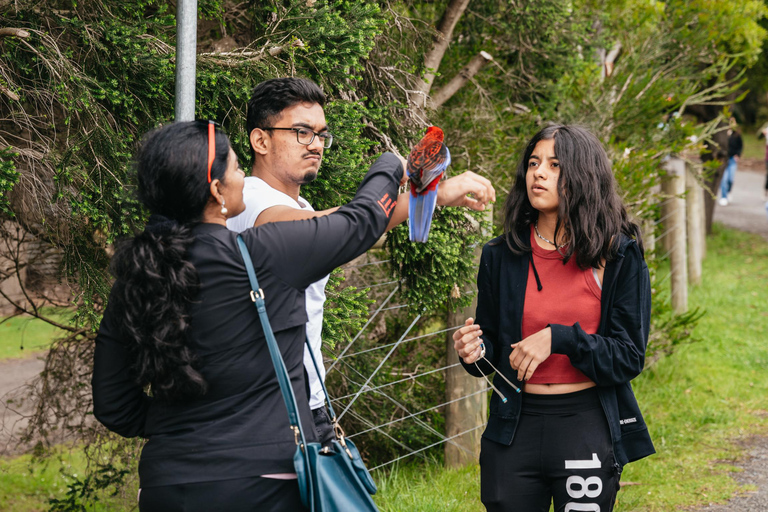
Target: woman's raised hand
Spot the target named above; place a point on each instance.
(466, 341)
(529, 353)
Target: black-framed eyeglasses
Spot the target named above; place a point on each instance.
(305, 136)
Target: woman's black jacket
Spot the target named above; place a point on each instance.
(240, 427)
(611, 358)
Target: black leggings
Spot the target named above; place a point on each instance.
(254, 494)
(561, 452)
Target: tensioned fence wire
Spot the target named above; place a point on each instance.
(366, 385)
(429, 446)
(426, 426)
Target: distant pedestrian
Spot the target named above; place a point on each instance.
(735, 146)
(765, 135)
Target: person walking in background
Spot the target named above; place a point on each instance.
(180, 356)
(563, 314)
(765, 135)
(735, 146)
(288, 134)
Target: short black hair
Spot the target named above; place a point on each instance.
(271, 97)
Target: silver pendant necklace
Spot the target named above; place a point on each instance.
(550, 242)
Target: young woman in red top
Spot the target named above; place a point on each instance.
(563, 316)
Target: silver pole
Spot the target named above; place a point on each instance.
(186, 54)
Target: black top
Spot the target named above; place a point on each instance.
(240, 427)
(611, 358)
(735, 144)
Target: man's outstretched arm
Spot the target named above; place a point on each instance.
(468, 189)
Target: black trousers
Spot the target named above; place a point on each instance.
(561, 453)
(254, 494)
(323, 426)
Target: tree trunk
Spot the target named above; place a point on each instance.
(461, 78)
(435, 55)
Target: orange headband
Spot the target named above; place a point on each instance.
(211, 147)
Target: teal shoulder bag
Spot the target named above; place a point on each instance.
(331, 479)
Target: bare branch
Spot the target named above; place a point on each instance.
(240, 58)
(15, 32)
(434, 57)
(9, 93)
(610, 60)
(461, 78)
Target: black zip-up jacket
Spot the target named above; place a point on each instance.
(239, 428)
(611, 358)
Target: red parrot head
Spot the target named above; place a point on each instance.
(434, 133)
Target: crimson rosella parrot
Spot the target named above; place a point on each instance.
(426, 166)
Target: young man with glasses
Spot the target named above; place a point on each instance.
(288, 134)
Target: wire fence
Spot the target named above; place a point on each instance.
(384, 390)
(383, 383)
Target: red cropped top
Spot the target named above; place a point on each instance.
(568, 295)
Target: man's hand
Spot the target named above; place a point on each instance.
(451, 192)
(404, 179)
(467, 189)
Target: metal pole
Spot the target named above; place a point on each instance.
(186, 54)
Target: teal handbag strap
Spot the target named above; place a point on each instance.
(257, 296)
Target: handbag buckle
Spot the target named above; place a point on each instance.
(340, 435)
(258, 295)
(296, 434)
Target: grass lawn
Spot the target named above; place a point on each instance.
(697, 402)
(753, 147)
(26, 485)
(23, 335)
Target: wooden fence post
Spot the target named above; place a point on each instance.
(675, 228)
(464, 413)
(694, 202)
(648, 226)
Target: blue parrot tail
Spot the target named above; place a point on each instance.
(420, 210)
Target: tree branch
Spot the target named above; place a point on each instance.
(461, 78)
(239, 58)
(9, 93)
(610, 59)
(17, 32)
(445, 27)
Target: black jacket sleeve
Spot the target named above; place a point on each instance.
(118, 401)
(302, 252)
(619, 355)
(487, 317)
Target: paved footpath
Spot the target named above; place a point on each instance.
(746, 212)
(14, 375)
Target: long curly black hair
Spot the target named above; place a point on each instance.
(155, 283)
(591, 213)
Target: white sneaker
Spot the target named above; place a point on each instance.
(723, 201)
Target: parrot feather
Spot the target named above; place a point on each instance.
(426, 166)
